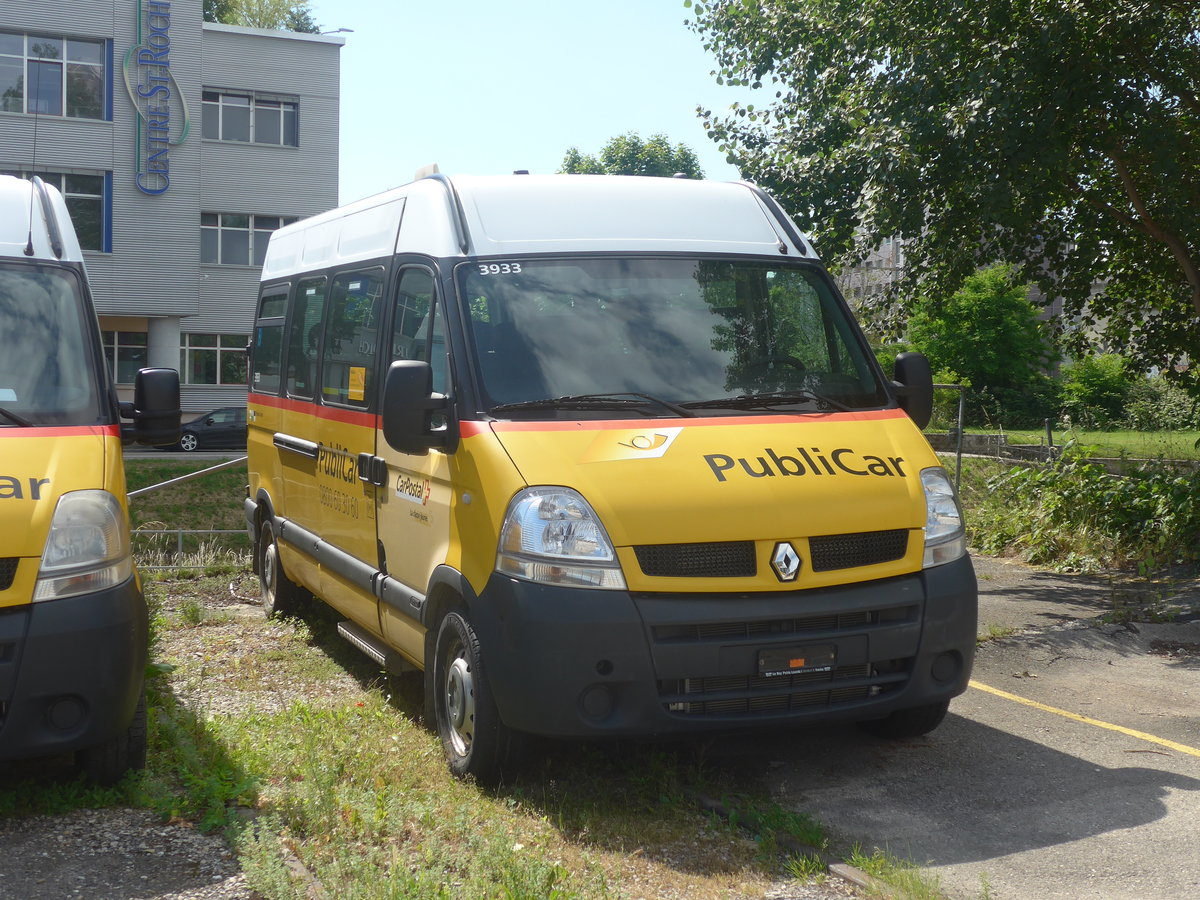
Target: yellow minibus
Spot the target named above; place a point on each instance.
(73, 622)
(603, 456)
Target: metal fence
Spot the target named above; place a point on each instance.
(185, 539)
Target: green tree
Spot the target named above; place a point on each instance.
(1060, 136)
(217, 10)
(280, 15)
(628, 154)
(1095, 390)
(988, 335)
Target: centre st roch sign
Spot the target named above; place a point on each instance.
(163, 119)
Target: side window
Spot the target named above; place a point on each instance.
(351, 338)
(304, 337)
(417, 331)
(267, 344)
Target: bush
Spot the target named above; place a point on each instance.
(945, 402)
(1155, 404)
(1074, 514)
(1095, 391)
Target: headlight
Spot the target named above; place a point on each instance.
(552, 536)
(945, 538)
(87, 549)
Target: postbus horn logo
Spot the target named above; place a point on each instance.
(160, 104)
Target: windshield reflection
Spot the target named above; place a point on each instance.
(46, 371)
(686, 331)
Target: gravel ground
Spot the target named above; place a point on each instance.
(106, 854)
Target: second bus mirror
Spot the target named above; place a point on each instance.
(408, 406)
(155, 408)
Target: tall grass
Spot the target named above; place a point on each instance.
(1073, 514)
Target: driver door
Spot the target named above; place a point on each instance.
(413, 508)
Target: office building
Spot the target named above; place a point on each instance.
(180, 146)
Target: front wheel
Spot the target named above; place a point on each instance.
(106, 762)
(280, 595)
(188, 442)
(475, 741)
(908, 723)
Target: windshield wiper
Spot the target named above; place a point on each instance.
(620, 400)
(15, 419)
(774, 398)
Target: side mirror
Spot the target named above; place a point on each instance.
(913, 383)
(408, 407)
(155, 408)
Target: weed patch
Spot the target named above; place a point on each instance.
(1074, 516)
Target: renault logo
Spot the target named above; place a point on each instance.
(785, 561)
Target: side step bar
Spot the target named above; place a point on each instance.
(380, 653)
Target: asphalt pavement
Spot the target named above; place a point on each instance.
(1069, 769)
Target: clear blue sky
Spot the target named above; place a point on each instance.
(484, 88)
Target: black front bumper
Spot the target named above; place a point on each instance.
(580, 663)
(71, 671)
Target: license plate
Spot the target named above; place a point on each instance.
(791, 660)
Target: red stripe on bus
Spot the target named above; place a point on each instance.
(473, 427)
(873, 415)
(38, 431)
(308, 407)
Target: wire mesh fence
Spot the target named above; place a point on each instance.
(182, 548)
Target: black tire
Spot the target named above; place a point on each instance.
(475, 741)
(188, 442)
(908, 723)
(280, 595)
(107, 762)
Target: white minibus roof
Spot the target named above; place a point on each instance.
(519, 215)
(40, 220)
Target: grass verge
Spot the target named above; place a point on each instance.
(1133, 444)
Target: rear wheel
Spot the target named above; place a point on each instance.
(280, 595)
(108, 761)
(908, 723)
(475, 741)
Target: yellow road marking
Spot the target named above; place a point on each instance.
(1140, 735)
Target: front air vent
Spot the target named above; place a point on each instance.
(770, 628)
(849, 551)
(765, 696)
(726, 559)
(8, 571)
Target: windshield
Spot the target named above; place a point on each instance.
(713, 335)
(47, 374)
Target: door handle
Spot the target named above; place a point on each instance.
(372, 469)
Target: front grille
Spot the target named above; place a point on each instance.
(8, 571)
(849, 551)
(761, 695)
(726, 559)
(718, 631)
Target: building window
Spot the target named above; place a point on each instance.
(236, 239)
(84, 194)
(52, 76)
(251, 118)
(125, 352)
(213, 359)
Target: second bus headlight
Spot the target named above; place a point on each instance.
(551, 535)
(87, 549)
